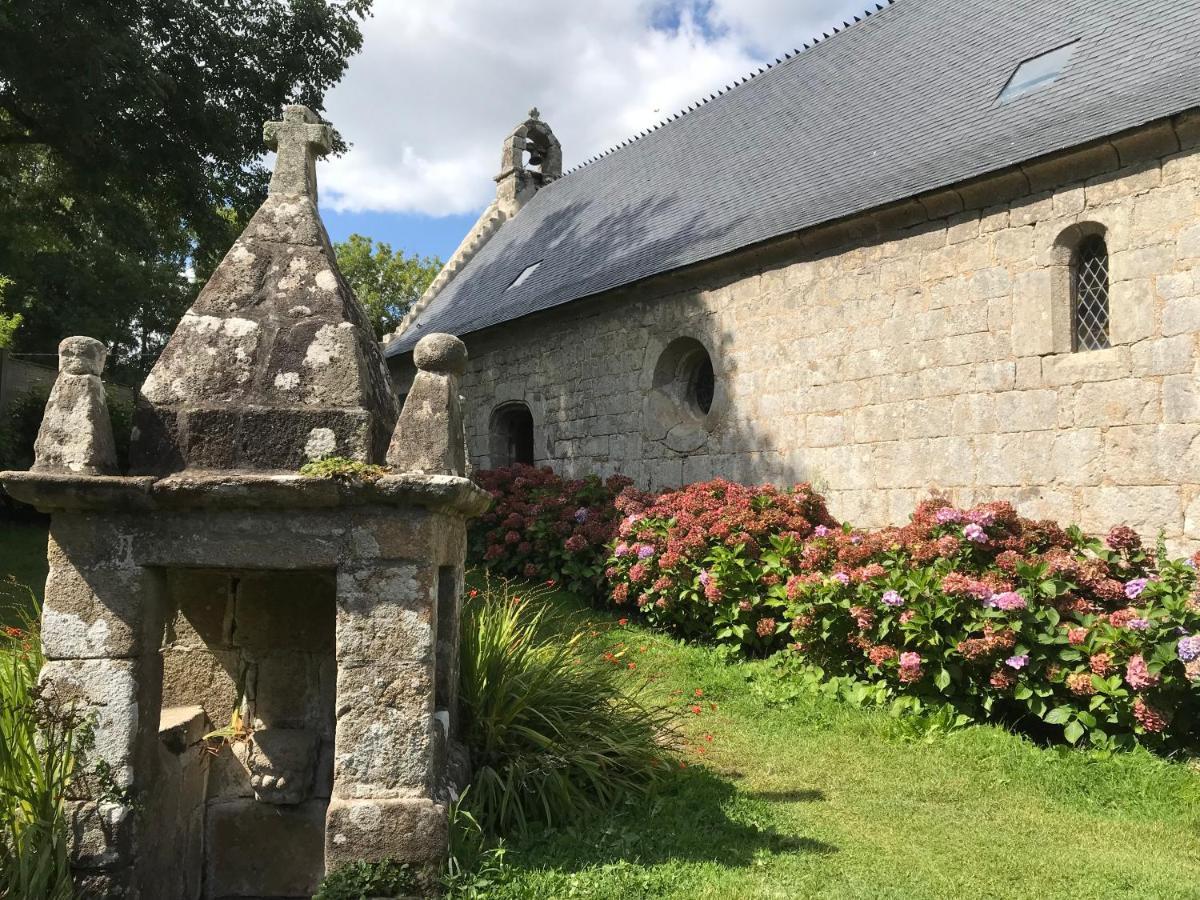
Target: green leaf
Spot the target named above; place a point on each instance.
(1074, 731)
(942, 680)
(1059, 715)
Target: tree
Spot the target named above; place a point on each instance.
(131, 149)
(9, 323)
(386, 282)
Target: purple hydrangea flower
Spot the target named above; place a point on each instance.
(1008, 601)
(841, 577)
(621, 549)
(820, 531)
(983, 517)
(856, 539)
(581, 515)
(1188, 648)
(975, 533)
(1138, 624)
(948, 516)
(645, 551)
(891, 598)
(1134, 588)
(1017, 662)
(705, 578)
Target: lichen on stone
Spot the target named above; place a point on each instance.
(339, 468)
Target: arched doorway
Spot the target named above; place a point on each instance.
(512, 435)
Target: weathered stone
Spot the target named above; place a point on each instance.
(412, 831)
(276, 360)
(429, 432)
(282, 764)
(264, 850)
(101, 834)
(76, 433)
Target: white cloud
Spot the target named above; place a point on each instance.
(441, 82)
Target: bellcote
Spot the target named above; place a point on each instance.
(531, 157)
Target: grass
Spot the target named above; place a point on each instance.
(23, 559)
(800, 795)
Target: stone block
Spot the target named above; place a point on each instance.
(1049, 173)
(383, 751)
(1164, 356)
(1188, 243)
(101, 833)
(283, 764)
(1090, 365)
(1130, 401)
(278, 611)
(1133, 310)
(97, 612)
(1032, 315)
(1144, 508)
(257, 849)
(200, 603)
(1180, 316)
(214, 680)
(413, 831)
(108, 689)
(1181, 399)
(1078, 456)
(290, 691)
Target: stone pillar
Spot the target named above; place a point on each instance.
(99, 637)
(76, 433)
(429, 435)
(387, 748)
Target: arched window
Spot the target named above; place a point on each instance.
(512, 435)
(1089, 294)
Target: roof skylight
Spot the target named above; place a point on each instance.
(524, 276)
(1037, 72)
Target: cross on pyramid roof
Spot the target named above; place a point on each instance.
(299, 139)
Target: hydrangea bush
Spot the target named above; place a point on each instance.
(994, 615)
(1010, 619)
(544, 527)
(709, 560)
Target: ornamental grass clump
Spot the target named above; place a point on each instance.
(547, 528)
(39, 742)
(551, 732)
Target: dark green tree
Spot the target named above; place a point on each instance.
(131, 149)
(386, 282)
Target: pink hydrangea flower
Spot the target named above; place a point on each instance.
(975, 534)
(1007, 601)
(891, 598)
(1138, 675)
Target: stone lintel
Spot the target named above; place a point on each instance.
(50, 492)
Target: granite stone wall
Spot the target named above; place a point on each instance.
(922, 347)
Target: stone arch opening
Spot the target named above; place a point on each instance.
(683, 396)
(511, 435)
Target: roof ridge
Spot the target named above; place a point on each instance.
(738, 82)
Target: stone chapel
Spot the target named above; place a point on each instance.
(954, 246)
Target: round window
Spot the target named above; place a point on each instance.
(679, 406)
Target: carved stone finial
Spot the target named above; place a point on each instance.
(76, 433)
(534, 114)
(299, 139)
(429, 435)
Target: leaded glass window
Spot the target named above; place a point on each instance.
(1089, 294)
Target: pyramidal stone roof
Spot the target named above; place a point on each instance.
(275, 363)
(897, 104)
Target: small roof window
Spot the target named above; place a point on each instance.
(524, 276)
(1037, 72)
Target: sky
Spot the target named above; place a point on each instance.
(439, 84)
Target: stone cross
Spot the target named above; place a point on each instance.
(299, 139)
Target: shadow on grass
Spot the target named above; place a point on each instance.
(695, 818)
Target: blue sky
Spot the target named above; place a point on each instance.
(440, 83)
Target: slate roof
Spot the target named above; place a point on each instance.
(900, 103)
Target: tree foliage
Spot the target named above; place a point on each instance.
(9, 322)
(131, 148)
(387, 282)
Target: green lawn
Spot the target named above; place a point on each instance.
(804, 796)
(23, 559)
